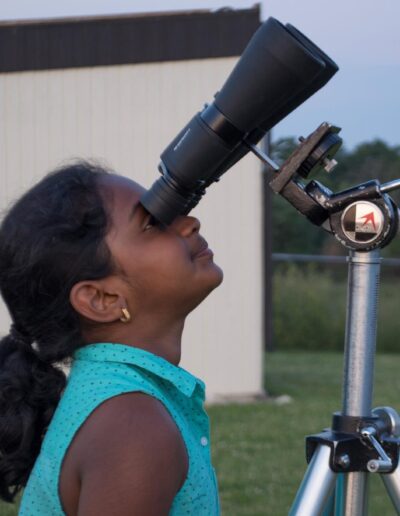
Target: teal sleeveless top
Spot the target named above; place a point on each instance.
(99, 372)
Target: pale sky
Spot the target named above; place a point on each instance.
(362, 36)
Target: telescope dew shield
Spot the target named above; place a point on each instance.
(277, 71)
(273, 67)
(320, 80)
(288, 105)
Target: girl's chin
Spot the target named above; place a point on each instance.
(220, 274)
(216, 274)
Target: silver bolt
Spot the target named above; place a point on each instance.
(343, 461)
(373, 466)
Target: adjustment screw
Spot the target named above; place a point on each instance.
(373, 466)
(343, 461)
(329, 164)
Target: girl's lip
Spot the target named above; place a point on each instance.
(204, 253)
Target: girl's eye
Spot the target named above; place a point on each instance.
(150, 222)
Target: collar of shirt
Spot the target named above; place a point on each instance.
(112, 352)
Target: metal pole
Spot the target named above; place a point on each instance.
(268, 330)
(360, 341)
(316, 487)
(356, 494)
(392, 484)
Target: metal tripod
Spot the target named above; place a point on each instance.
(361, 441)
(365, 428)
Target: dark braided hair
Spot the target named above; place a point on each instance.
(52, 238)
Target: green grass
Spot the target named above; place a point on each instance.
(258, 449)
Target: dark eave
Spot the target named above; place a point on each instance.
(124, 39)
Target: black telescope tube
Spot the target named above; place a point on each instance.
(276, 70)
(290, 105)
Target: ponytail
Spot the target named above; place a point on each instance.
(51, 239)
(29, 392)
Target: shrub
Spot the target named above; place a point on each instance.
(309, 309)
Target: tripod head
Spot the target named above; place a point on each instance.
(362, 218)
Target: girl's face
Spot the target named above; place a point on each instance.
(165, 269)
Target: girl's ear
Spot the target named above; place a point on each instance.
(97, 300)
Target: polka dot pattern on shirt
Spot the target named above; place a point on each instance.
(101, 371)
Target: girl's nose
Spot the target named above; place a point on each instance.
(186, 225)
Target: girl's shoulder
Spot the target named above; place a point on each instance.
(129, 448)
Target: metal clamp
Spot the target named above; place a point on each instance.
(384, 463)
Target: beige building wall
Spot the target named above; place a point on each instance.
(125, 116)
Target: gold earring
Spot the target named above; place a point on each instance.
(126, 316)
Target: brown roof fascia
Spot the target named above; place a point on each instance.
(124, 39)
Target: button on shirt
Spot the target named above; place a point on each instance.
(101, 371)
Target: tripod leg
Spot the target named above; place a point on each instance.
(335, 504)
(339, 494)
(329, 509)
(392, 484)
(316, 487)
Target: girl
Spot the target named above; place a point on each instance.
(89, 278)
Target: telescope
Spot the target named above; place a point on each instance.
(279, 69)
